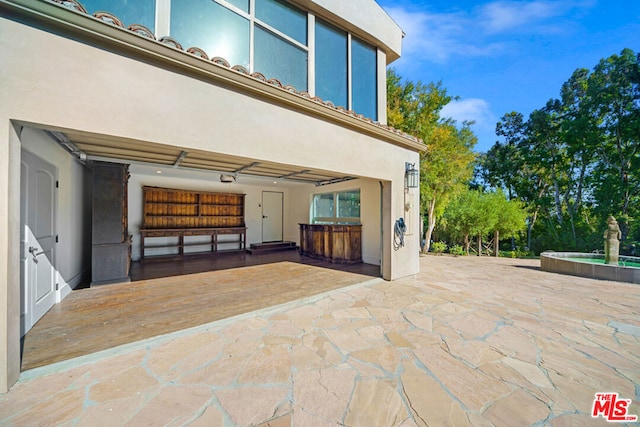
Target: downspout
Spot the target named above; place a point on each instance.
(381, 229)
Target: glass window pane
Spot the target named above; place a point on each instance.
(211, 27)
(323, 206)
(277, 58)
(349, 204)
(141, 12)
(331, 64)
(283, 17)
(240, 4)
(364, 92)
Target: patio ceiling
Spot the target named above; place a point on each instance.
(91, 147)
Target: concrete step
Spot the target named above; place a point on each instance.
(271, 247)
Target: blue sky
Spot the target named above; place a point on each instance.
(502, 56)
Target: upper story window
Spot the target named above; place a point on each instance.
(275, 57)
(243, 5)
(364, 87)
(349, 83)
(283, 17)
(213, 28)
(223, 28)
(141, 12)
(280, 43)
(268, 36)
(331, 64)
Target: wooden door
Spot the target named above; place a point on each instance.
(37, 239)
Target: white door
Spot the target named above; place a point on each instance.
(272, 216)
(37, 239)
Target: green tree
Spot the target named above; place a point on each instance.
(445, 171)
(580, 134)
(514, 166)
(447, 164)
(511, 217)
(414, 108)
(468, 215)
(501, 165)
(613, 96)
(576, 161)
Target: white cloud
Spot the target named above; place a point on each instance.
(472, 109)
(466, 109)
(482, 31)
(500, 16)
(436, 36)
(538, 16)
(478, 111)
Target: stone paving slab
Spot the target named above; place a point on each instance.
(467, 342)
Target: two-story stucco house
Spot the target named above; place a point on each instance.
(266, 98)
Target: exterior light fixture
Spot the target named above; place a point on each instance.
(227, 178)
(411, 176)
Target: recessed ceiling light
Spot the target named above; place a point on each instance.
(158, 172)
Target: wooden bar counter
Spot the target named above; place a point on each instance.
(339, 243)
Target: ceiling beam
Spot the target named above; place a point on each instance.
(245, 167)
(289, 175)
(180, 158)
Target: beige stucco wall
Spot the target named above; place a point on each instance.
(9, 253)
(50, 81)
(96, 91)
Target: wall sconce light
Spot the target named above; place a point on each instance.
(411, 176)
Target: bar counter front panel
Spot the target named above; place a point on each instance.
(339, 243)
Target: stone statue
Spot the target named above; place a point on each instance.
(612, 237)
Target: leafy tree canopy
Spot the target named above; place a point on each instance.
(576, 160)
(447, 165)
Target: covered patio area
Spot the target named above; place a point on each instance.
(179, 294)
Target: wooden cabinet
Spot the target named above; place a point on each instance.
(332, 242)
(183, 214)
(111, 242)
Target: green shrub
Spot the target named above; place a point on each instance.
(523, 253)
(456, 250)
(438, 247)
(517, 253)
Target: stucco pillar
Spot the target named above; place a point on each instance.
(9, 255)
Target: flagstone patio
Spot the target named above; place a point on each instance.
(469, 341)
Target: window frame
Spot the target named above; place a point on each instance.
(336, 219)
(253, 21)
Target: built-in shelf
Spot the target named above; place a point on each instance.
(187, 214)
